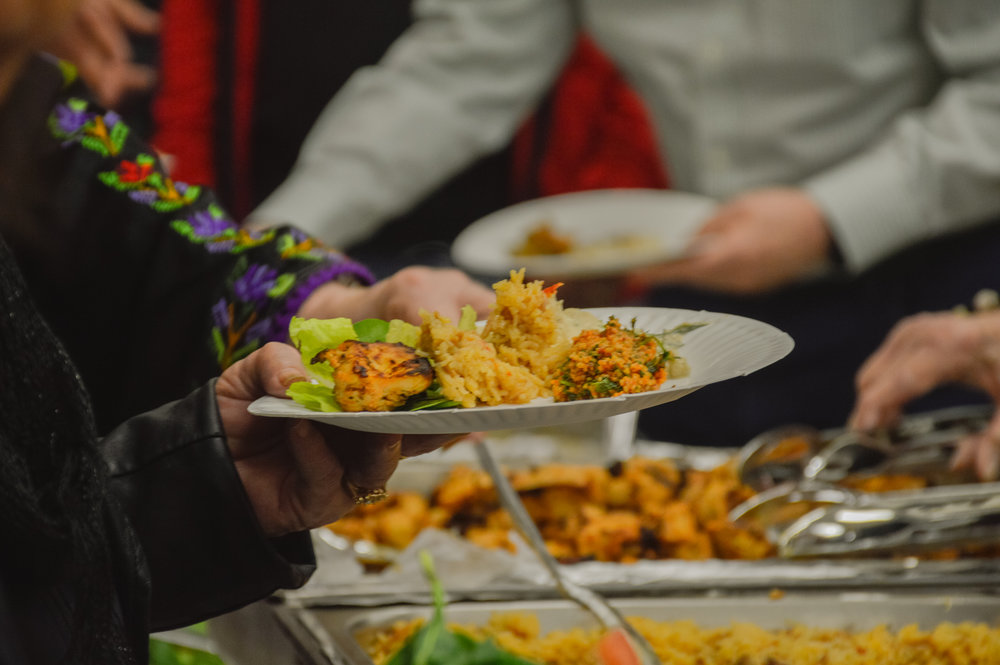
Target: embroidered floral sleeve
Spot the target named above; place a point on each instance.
(269, 274)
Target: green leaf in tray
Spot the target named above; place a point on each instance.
(436, 644)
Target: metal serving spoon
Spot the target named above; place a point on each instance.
(591, 601)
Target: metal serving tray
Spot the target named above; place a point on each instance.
(327, 635)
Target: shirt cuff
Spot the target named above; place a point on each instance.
(871, 208)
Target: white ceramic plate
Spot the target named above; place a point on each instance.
(730, 346)
(657, 223)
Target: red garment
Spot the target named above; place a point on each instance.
(194, 86)
(188, 43)
(593, 133)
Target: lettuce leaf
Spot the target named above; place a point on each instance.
(371, 330)
(315, 396)
(403, 332)
(310, 336)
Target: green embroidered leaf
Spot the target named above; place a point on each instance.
(185, 229)
(95, 144)
(119, 132)
(285, 242)
(166, 206)
(219, 344)
(282, 285)
(68, 71)
(109, 178)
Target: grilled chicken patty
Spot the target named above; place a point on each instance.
(375, 376)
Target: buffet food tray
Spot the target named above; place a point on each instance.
(329, 635)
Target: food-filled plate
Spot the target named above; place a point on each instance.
(583, 234)
(728, 347)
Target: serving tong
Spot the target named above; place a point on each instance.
(805, 512)
(597, 605)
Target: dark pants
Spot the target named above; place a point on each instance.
(836, 324)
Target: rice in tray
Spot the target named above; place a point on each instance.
(686, 643)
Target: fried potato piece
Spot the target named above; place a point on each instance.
(376, 376)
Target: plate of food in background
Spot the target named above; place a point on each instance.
(531, 363)
(583, 234)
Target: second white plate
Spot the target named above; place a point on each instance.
(659, 224)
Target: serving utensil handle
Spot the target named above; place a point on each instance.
(583, 596)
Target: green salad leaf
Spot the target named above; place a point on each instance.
(371, 330)
(436, 644)
(311, 336)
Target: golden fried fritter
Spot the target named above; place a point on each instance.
(376, 376)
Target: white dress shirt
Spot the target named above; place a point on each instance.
(886, 111)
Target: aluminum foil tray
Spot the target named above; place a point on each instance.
(328, 635)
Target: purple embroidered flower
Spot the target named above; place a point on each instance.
(297, 235)
(111, 118)
(220, 246)
(70, 120)
(259, 330)
(143, 196)
(220, 314)
(254, 285)
(206, 226)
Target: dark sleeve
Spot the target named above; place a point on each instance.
(206, 554)
(129, 265)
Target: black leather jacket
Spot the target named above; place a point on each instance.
(205, 552)
(194, 539)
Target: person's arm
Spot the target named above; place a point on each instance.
(938, 168)
(929, 350)
(126, 262)
(452, 88)
(221, 500)
(204, 548)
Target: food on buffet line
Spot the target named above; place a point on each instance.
(638, 509)
(529, 347)
(737, 644)
(543, 240)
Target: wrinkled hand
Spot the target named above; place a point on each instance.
(296, 472)
(757, 242)
(97, 42)
(402, 296)
(923, 352)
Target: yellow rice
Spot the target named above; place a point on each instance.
(526, 327)
(686, 643)
(469, 369)
(510, 362)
